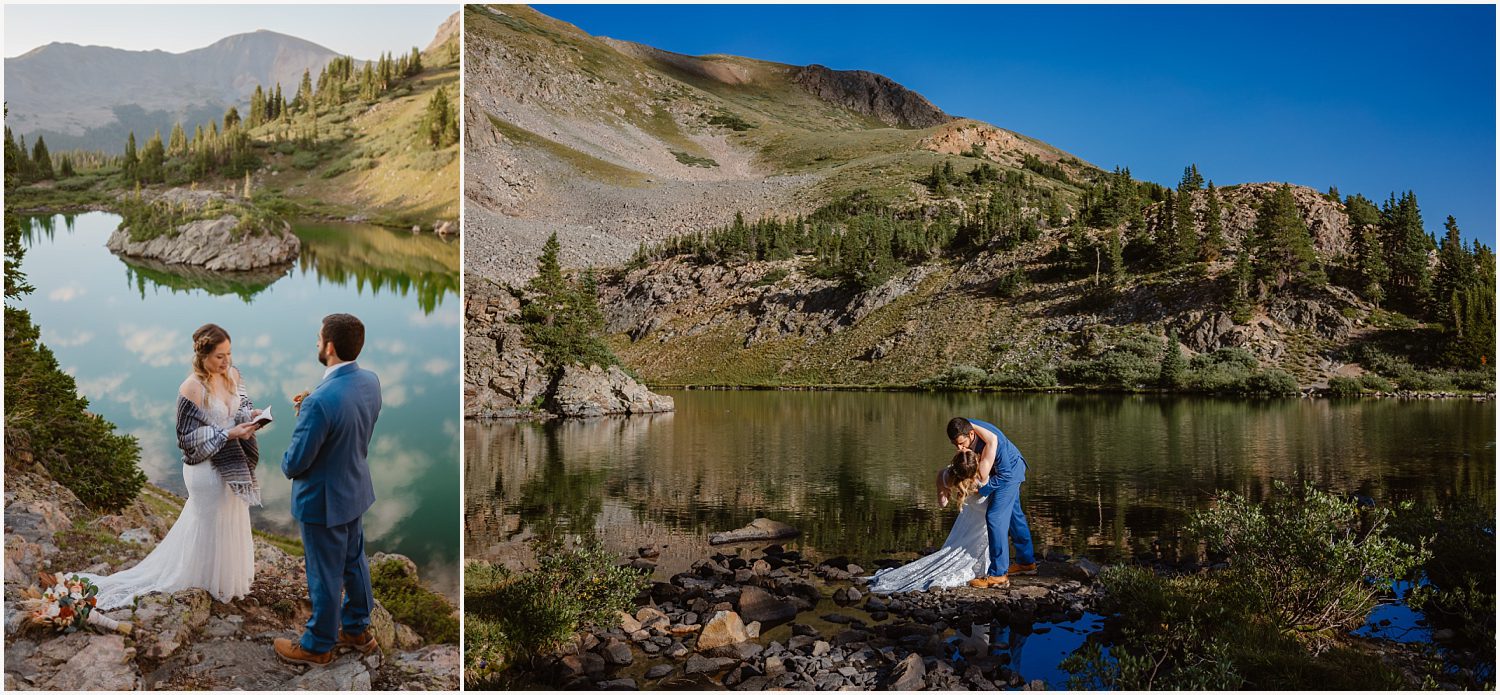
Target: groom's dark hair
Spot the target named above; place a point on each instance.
(346, 333)
(956, 427)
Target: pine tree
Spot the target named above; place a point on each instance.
(1242, 281)
(131, 164)
(1185, 227)
(440, 123)
(231, 118)
(1213, 228)
(1455, 272)
(414, 62)
(1406, 246)
(15, 160)
(41, 160)
(257, 107)
(1283, 245)
(152, 160)
(1173, 365)
(65, 170)
(1370, 263)
(304, 99)
(1116, 257)
(178, 142)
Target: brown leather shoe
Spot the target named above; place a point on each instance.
(1018, 568)
(1000, 582)
(292, 652)
(365, 641)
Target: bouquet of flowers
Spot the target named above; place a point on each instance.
(67, 605)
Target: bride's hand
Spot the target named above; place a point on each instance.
(242, 430)
(942, 499)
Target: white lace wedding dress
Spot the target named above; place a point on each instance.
(209, 546)
(964, 556)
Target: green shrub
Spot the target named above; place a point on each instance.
(1371, 381)
(1345, 387)
(731, 121)
(1169, 642)
(1270, 383)
(305, 160)
(693, 160)
(412, 604)
(1133, 362)
(1010, 284)
(1314, 562)
(1460, 570)
(772, 277)
(958, 376)
(511, 616)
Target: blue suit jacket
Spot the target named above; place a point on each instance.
(326, 459)
(1010, 466)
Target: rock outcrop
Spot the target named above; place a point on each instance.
(873, 95)
(184, 640)
(503, 378)
(216, 242)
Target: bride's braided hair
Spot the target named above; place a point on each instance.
(963, 475)
(206, 339)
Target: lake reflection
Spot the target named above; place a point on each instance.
(123, 330)
(854, 471)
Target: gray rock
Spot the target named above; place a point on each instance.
(102, 663)
(346, 673)
(907, 674)
(759, 605)
(698, 663)
(659, 671)
(592, 391)
(761, 529)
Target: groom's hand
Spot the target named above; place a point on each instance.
(297, 402)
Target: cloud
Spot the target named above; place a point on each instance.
(98, 388)
(67, 293)
(57, 339)
(446, 317)
(438, 366)
(262, 341)
(155, 347)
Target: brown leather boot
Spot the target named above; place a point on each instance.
(1018, 568)
(292, 652)
(365, 641)
(999, 582)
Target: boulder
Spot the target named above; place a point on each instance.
(164, 622)
(592, 392)
(761, 529)
(724, 627)
(907, 674)
(346, 673)
(101, 662)
(757, 604)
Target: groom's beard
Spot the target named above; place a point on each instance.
(322, 357)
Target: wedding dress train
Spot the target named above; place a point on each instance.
(209, 547)
(964, 556)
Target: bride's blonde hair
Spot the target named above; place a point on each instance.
(206, 339)
(963, 475)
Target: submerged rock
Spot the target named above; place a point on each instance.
(761, 529)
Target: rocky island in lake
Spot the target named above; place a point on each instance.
(203, 228)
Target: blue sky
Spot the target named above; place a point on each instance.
(178, 28)
(1373, 99)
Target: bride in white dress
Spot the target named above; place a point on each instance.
(210, 545)
(965, 554)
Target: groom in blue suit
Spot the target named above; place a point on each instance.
(1002, 463)
(331, 490)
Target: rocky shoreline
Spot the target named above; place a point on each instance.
(505, 379)
(765, 617)
(185, 640)
(1078, 390)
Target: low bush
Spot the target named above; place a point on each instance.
(412, 604)
(514, 617)
(1345, 387)
(1026, 376)
(1314, 562)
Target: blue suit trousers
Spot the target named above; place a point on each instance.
(1006, 522)
(337, 573)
